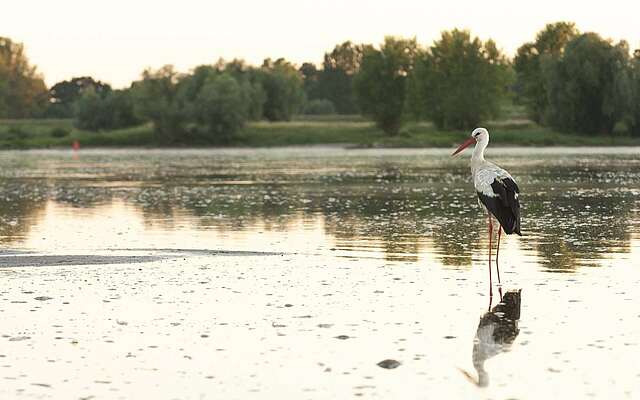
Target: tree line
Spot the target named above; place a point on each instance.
(567, 80)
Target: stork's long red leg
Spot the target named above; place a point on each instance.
(497, 265)
(490, 283)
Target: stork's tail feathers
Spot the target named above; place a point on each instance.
(516, 228)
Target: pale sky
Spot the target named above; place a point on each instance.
(116, 40)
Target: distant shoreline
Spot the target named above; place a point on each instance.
(352, 133)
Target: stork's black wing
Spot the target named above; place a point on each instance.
(505, 205)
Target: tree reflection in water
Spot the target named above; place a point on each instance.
(576, 211)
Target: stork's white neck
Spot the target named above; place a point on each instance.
(478, 151)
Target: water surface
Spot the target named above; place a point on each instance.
(579, 206)
(385, 247)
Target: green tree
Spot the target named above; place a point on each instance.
(310, 76)
(528, 64)
(250, 79)
(88, 111)
(381, 83)
(210, 105)
(282, 84)
(588, 86)
(319, 107)
(22, 90)
(634, 109)
(121, 109)
(335, 80)
(257, 96)
(63, 95)
(110, 110)
(459, 81)
(221, 107)
(156, 99)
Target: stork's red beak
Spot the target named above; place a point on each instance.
(464, 145)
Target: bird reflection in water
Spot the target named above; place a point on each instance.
(496, 332)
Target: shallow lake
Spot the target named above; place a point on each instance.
(293, 272)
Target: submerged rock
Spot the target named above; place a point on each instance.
(19, 338)
(389, 364)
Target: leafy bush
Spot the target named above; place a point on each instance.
(111, 110)
(319, 107)
(16, 132)
(59, 132)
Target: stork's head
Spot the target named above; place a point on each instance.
(478, 135)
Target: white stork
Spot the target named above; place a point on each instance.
(497, 194)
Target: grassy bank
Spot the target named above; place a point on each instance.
(348, 131)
